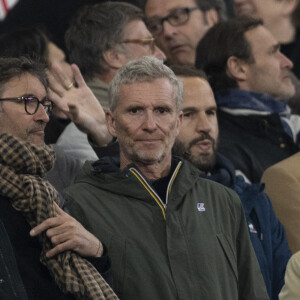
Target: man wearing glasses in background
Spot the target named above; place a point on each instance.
(102, 38)
(178, 25)
(35, 232)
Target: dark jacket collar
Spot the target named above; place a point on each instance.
(251, 102)
(224, 173)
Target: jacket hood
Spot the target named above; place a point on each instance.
(106, 174)
(224, 173)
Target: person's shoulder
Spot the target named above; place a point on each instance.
(295, 259)
(291, 288)
(288, 165)
(219, 189)
(86, 172)
(97, 174)
(190, 169)
(224, 203)
(209, 189)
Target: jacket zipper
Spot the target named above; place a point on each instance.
(151, 191)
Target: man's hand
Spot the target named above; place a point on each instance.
(66, 233)
(78, 103)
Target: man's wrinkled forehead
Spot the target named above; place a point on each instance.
(162, 8)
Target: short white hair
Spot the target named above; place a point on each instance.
(146, 69)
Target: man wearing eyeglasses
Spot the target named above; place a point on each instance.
(178, 25)
(25, 116)
(32, 226)
(102, 38)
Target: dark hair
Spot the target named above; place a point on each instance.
(222, 41)
(206, 5)
(187, 71)
(28, 42)
(15, 67)
(95, 29)
(218, 5)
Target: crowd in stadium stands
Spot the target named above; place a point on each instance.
(150, 149)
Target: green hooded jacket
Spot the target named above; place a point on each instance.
(196, 246)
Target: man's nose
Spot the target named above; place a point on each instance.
(41, 114)
(168, 29)
(203, 124)
(286, 62)
(149, 122)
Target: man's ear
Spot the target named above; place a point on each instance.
(114, 58)
(110, 123)
(212, 17)
(236, 68)
(179, 122)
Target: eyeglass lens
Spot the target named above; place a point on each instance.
(32, 104)
(176, 17)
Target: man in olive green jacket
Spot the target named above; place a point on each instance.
(169, 233)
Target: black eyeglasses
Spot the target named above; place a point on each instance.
(145, 41)
(32, 103)
(176, 17)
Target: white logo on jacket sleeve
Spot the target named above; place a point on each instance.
(200, 206)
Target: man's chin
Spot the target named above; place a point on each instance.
(38, 140)
(149, 158)
(181, 58)
(286, 94)
(204, 163)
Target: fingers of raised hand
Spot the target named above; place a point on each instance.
(78, 76)
(62, 77)
(55, 85)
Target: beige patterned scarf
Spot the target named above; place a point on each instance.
(22, 168)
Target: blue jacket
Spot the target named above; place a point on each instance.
(266, 232)
(256, 131)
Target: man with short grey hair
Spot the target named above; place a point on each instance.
(141, 73)
(170, 233)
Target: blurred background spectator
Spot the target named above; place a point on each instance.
(5, 6)
(54, 15)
